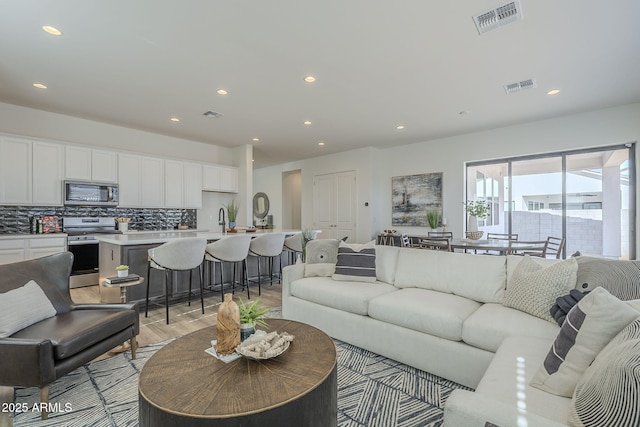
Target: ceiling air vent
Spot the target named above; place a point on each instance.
(495, 18)
(212, 114)
(518, 86)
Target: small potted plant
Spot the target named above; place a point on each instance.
(232, 213)
(251, 314)
(123, 270)
(433, 218)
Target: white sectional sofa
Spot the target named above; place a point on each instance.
(441, 312)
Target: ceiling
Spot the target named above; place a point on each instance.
(378, 64)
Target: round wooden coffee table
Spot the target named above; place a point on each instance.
(181, 385)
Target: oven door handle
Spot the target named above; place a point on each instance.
(82, 242)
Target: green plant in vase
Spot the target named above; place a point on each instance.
(476, 209)
(433, 218)
(251, 314)
(232, 213)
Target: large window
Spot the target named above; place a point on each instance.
(585, 196)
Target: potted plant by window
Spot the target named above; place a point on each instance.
(433, 218)
(251, 314)
(475, 209)
(232, 213)
(122, 270)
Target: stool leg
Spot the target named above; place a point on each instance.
(166, 293)
(245, 281)
(259, 283)
(201, 277)
(189, 294)
(146, 304)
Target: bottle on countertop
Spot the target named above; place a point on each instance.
(39, 225)
(33, 225)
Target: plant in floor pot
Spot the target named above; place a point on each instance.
(232, 213)
(251, 314)
(475, 209)
(433, 218)
(122, 270)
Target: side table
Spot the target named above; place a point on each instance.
(123, 299)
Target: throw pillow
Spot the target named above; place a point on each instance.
(534, 288)
(620, 278)
(608, 394)
(564, 304)
(356, 262)
(590, 325)
(321, 257)
(22, 307)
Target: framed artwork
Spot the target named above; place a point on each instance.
(413, 195)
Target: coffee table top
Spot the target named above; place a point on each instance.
(182, 379)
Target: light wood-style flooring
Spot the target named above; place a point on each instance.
(153, 329)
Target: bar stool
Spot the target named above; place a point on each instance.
(176, 255)
(292, 247)
(268, 246)
(231, 249)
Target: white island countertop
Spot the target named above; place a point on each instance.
(165, 236)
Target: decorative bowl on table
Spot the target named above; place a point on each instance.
(474, 235)
(262, 345)
(390, 232)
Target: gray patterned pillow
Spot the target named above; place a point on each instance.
(620, 278)
(608, 394)
(534, 288)
(322, 255)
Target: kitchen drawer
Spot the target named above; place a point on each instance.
(48, 242)
(12, 244)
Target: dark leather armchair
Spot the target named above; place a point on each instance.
(47, 350)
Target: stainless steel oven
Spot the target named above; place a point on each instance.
(82, 243)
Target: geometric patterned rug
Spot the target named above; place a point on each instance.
(372, 391)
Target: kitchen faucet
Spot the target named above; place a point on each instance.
(221, 219)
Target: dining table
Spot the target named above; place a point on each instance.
(500, 246)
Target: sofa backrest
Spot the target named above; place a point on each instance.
(50, 272)
(386, 263)
(481, 278)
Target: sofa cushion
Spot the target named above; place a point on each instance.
(321, 257)
(356, 262)
(608, 394)
(478, 278)
(534, 288)
(589, 326)
(386, 263)
(488, 326)
(507, 378)
(22, 307)
(434, 313)
(347, 296)
(620, 278)
(76, 330)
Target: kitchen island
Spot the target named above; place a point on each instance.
(131, 249)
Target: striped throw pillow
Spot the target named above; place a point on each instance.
(356, 262)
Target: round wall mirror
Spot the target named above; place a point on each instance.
(260, 205)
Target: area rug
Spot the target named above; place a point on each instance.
(372, 391)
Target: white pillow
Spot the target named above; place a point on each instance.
(356, 262)
(22, 307)
(589, 326)
(534, 288)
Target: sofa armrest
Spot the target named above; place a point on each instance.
(469, 409)
(290, 274)
(26, 362)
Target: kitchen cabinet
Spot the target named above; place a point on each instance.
(21, 249)
(183, 184)
(141, 181)
(88, 164)
(220, 178)
(30, 172)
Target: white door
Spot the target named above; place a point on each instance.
(334, 205)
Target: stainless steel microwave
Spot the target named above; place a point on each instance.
(86, 193)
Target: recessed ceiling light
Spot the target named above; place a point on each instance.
(309, 79)
(256, 139)
(174, 119)
(39, 86)
(222, 92)
(52, 30)
(400, 127)
(553, 92)
(321, 144)
(307, 122)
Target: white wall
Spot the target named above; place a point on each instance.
(375, 167)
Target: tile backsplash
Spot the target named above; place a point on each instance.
(15, 219)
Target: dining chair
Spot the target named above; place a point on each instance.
(407, 242)
(536, 248)
(440, 234)
(555, 245)
(176, 255)
(436, 243)
(500, 236)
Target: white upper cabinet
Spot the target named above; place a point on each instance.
(183, 184)
(30, 172)
(140, 181)
(173, 183)
(220, 178)
(152, 180)
(192, 197)
(91, 165)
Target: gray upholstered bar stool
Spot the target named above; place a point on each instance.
(229, 249)
(267, 246)
(176, 255)
(292, 247)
